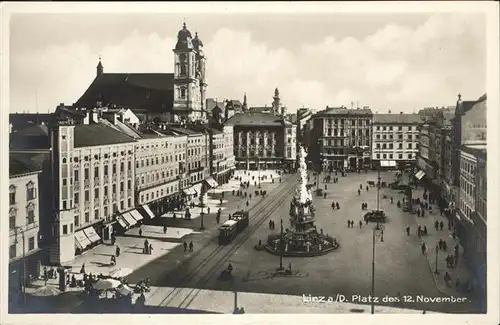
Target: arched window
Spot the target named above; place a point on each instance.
(12, 194)
(30, 213)
(12, 218)
(30, 191)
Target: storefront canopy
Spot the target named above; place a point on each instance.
(420, 174)
(129, 219)
(211, 182)
(121, 221)
(387, 163)
(189, 191)
(91, 234)
(136, 215)
(197, 188)
(81, 240)
(148, 211)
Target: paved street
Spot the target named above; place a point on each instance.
(401, 269)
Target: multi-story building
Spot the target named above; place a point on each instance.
(395, 140)
(158, 157)
(342, 137)
(91, 175)
(229, 164)
(24, 224)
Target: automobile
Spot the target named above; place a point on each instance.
(376, 216)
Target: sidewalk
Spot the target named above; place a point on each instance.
(431, 240)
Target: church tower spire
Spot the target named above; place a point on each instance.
(100, 68)
(276, 102)
(245, 105)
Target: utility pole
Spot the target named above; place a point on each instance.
(378, 184)
(373, 274)
(436, 271)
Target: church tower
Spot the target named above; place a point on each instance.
(245, 104)
(99, 68)
(187, 89)
(276, 102)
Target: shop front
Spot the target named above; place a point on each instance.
(87, 238)
(29, 265)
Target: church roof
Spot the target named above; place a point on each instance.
(150, 92)
(257, 119)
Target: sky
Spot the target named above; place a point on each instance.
(400, 62)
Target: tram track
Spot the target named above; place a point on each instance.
(222, 253)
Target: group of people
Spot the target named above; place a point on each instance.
(364, 206)
(191, 246)
(350, 224)
(272, 225)
(335, 205)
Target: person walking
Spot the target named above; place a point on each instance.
(348, 223)
(419, 231)
(447, 279)
(441, 225)
(424, 248)
(440, 244)
(117, 253)
(164, 229)
(140, 232)
(359, 192)
(425, 230)
(185, 246)
(338, 206)
(360, 224)
(150, 249)
(191, 246)
(457, 251)
(407, 231)
(436, 225)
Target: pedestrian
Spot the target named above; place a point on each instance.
(436, 225)
(338, 206)
(326, 187)
(360, 224)
(418, 213)
(447, 279)
(425, 230)
(191, 246)
(445, 246)
(359, 192)
(362, 206)
(150, 249)
(221, 201)
(360, 186)
(217, 218)
(185, 246)
(164, 229)
(140, 232)
(419, 231)
(407, 231)
(441, 225)
(440, 244)
(423, 213)
(117, 251)
(424, 248)
(367, 188)
(248, 204)
(452, 261)
(348, 223)
(366, 220)
(448, 261)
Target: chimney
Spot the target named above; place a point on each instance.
(86, 119)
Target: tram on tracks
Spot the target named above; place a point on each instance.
(231, 228)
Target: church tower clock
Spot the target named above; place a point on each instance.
(187, 85)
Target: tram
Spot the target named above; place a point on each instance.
(231, 228)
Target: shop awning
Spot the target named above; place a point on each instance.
(91, 234)
(136, 215)
(197, 188)
(121, 221)
(148, 211)
(189, 191)
(420, 174)
(129, 219)
(211, 182)
(387, 163)
(81, 240)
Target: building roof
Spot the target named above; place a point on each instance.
(257, 119)
(88, 135)
(397, 119)
(151, 92)
(478, 150)
(24, 163)
(260, 109)
(343, 111)
(31, 136)
(20, 120)
(183, 130)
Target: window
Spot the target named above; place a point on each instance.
(64, 205)
(12, 251)
(96, 214)
(12, 218)
(86, 173)
(129, 165)
(409, 146)
(12, 194)
(30, 191)
(410, 137)
(76, 220)
(400, 145)
(400, 156)
(105, 191)
(65, 230)
(31, 243)
(391, 145)
(122, 186)
(65, 181)
(378, 136)
(378, 156)
(114, 169)
(122, 205)
(77, 198)
(106, 170)
(76, 176)
(410, 156)
(114, 189)
(96, 193)
(87, 195)
(384, 155)
(30, 213)
(96, 171)
(390, 156)
(87, 217)
(183, 92)
(400, 128)
(378, 128)
(105, 212)
(122, 167)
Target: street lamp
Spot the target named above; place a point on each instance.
(23, 275)
(202, 203)
(281, 246)
(436, 271)
(258, 166)
(373, 264)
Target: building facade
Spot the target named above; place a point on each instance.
(395, 140)
(24, 225)
(342, 137)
